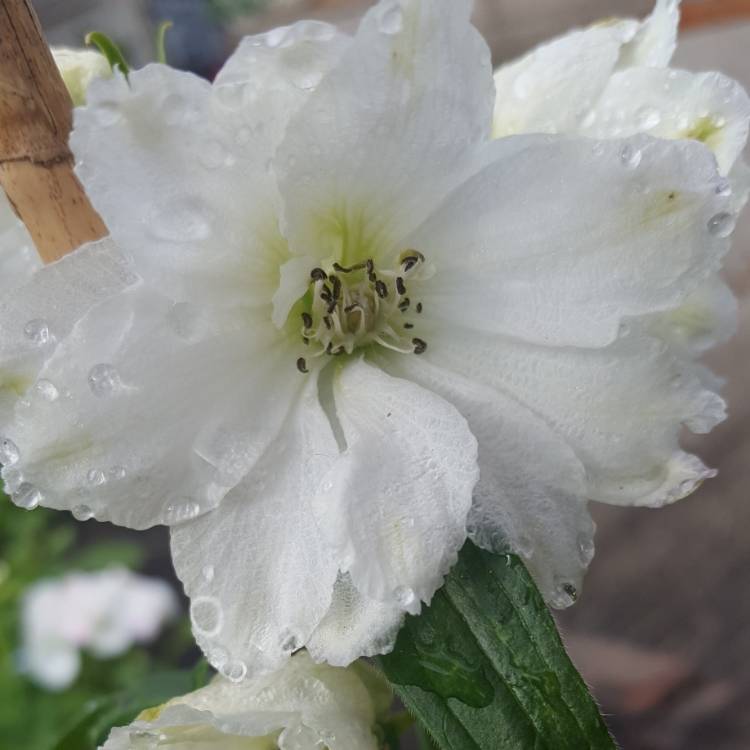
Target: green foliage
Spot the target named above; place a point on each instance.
(229, 9)
(161, 33)
(483, 667)
(41, 544)
(110, 50)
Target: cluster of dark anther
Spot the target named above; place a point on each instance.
(355, 305)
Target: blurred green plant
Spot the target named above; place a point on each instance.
(226, 10)
(43, 544)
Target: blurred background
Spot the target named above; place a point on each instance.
(662, 630)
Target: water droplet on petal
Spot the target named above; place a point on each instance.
(82, 513)
(391, 19)
(117, 472)
(9, 453)
(564, 595)
(95, 477)
(27, 496)
(630, 156)
(217, 657)
(724, 189)
(235, 670)
(182, 219)
(37, 331)
(46, 390)
(180, 511)
(648, 118)
(721, 225)
(104, 380)
(280, 37)
(404, 596)
(206, 615)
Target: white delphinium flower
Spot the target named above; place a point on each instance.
(78, 68)
(303, 706)
(614, 79)
(356, 313)
(18, 256)
(103, 613)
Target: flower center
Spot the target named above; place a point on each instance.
(350, 307)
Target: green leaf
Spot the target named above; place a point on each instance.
(483, 667)
(92, 727)
(161, 33)
(110, 50)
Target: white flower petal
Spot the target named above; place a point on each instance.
(530, 498)
(707, 107)
(620, 408)
(196, 210)
(18, 256)
(552, 88)
(128, 437)
(270, 574)
(354, 626)
(558, 239)
(78, 68)
(294, 279)
(269, 76)
(35, 315)
(656, 40)
(314, 705)
(395, 507)
(408, 98)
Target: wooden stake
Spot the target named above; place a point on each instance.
(36, 165)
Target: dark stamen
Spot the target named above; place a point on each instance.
(302, 365)
(404, 304)
(370, 266)
(318, 274)
(332, 306)
(328, 322)
(307, 320)
(343, 269)
(408, 326)
(419, 346)
(419, 307)
(381, 289)
(400, 286)
(336, 281)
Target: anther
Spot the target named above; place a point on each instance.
(408, 326)
(419, 346)
(404, 304)
(343, 269)
(307, 321)
(331, 305)
(381, 289)
(326, 294)
(318, 274)
(302, 365)
(419, 307)
(328, 322)
(400, 286)
(370, 265)
(410, 258)
(336, 281)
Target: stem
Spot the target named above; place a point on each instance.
(36, 165)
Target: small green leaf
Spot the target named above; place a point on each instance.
(483, 667)
(110, 50)
(161, 33)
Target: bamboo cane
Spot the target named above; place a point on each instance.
(36, 165)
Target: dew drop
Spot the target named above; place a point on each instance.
(37, 330)
(724, 189)
(183, 219)
(117, 472)
(391, 19)
(47, 390)
(104, 380)
(721, 225)
(181, 511)
(564, 595)
(235, 670)
(96, 477)
(280, 37)
(217, 657)
(648, 118)
(27, 496)
(82, 513)
(206, 615)
(404, 596)
(598, 148)
(630, 156)
(9, 453)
